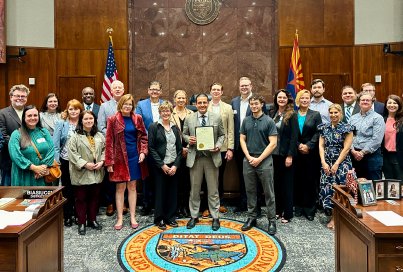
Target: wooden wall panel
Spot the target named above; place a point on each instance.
(82, 24)
(39, 64)
(319, 22)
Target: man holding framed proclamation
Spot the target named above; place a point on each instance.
(204, 132)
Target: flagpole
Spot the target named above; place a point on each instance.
(109, 30)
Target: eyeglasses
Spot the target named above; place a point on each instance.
(20, 96)
(366, 100)
(154, 90)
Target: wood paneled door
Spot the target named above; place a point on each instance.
(70, 87)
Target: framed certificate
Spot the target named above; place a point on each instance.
(205, 138)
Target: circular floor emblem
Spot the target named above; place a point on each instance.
(201, 249)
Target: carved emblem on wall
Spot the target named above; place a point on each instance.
(202, 12)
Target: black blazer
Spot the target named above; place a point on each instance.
(95, 109)
(310, 133)
(355, 110)
(288, 134)
(9, 121)
(157, 144)
(399, 146)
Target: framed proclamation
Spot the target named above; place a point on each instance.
(205, 138)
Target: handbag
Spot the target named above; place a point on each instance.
(54, 171)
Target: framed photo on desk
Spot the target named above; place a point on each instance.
(379, 186)
(367, 193)
(392, 189)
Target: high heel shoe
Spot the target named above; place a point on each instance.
(134, 226)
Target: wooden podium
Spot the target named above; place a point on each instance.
(362, 242)
(38, 244)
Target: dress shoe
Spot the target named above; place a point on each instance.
(118, 227)
(328, 212)
(68, 222)
(172, 223)
(240, 209)
(272, 229)
(192, 223)
(161, 225)
(110, 210)
(145, 211)
(298, 213)
(223, 209)
(310, 217)
(216, 224)
(94, 225)
(81, 229)
(251, 222)
(206, 214)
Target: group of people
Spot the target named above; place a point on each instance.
(292, 156)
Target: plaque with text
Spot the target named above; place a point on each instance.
(202, 12)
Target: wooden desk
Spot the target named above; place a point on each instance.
(38, 244)
(365, 244)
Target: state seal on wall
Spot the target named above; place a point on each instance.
(202, 12)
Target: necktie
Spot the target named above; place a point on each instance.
(203, 123)
(348, 113)
(88, 107)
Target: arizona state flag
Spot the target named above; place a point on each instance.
(295, 81)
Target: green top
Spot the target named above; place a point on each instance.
(23, 158)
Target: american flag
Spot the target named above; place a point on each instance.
(295, 82)
(111, 74)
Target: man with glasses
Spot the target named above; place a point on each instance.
(378, 107)
(106, 110)
(10, 120)
(148, 109)
(88, 96)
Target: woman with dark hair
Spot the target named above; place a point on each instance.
(27, 168)
(307, 164)
(393, 140)
(64, 130)
(126, 149)
(335, 142)
(50, 112)
(286, 122)
(86, 151)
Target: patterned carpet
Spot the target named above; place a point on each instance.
(309, 244)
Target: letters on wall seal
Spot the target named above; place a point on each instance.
(202, 12)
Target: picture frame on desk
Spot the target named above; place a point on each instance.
(393, 189)
(379, 186)
(367, 193)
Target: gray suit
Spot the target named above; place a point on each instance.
(206, 163)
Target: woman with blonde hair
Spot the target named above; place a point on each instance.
(335, 142)
(64, 130)
(178, 117)
(126, 149)
(307, 165)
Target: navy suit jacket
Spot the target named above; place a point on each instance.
(144, 109)
(95, 109)
(236, 107)
(355, 110)
(379, 107)
(9, 121)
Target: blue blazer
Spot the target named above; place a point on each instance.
(60, 137)
(95, 109)
(379, 107)
(144, 109)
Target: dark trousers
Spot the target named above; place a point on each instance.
(108, 191)
(239, 156)
(183, 185)
(148, 187)
(68, 191)
(306, 182)
(166, 194)
(87, 202)
(369, 167)
(391, 167)
(6, 177)
(283, 187)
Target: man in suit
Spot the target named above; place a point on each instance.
(205, 162)
(241, 109)
(378, 107)
(258, 140)
(148, 109)
(217, 106)
(10, 120)
(106, 110)
(88, 96)
(350, 105)
(318, 101)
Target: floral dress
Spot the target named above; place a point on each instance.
(334, 142)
